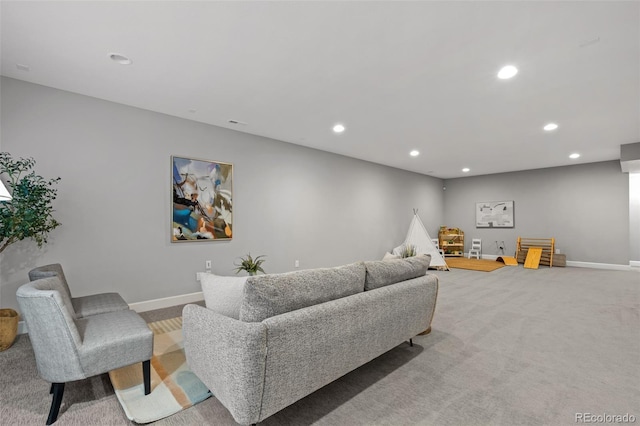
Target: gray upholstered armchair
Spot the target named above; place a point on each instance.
(86, 305)
(68, 348)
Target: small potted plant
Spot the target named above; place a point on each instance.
(251, 265)
(408, 250)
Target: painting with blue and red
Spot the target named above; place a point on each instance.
(202, 200)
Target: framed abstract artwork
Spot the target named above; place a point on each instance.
(202, 200)
(494, 214)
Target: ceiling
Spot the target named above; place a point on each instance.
(399, 75)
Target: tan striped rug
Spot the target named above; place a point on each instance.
(173, 386)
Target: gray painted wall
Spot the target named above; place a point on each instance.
(634, 217)
(290, 202)
(584, 207)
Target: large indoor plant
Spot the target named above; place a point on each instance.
(29, 213)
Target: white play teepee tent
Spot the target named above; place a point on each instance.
(420, 239)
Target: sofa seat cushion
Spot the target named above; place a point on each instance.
(385, 272)
(274, 294)
(223, 295)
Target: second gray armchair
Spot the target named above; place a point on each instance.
(82, 306)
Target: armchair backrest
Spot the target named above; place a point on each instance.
(53, 270)
(46, 309)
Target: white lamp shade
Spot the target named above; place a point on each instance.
(4, 194)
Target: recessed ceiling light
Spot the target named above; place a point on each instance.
(414, 153)
(574, 156)
(466, 170)
(507, 71)
(551, 126)
(338, 128)
(121, 59)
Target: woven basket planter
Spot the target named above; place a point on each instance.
(8, 328)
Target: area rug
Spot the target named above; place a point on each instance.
(173, 386)
(473, 264)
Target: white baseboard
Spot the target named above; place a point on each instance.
(166, 302)
(578, 264)
(148, 305)
(490, 256)
(594, 265)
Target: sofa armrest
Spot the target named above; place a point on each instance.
(229, 357)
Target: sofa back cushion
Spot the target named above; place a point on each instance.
(223, 295)
(274, 294)
(385, 272)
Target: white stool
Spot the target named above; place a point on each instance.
(476, 247)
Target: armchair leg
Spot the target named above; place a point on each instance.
(146, 374)
(411, 342)
(57, 390)
(51, 389)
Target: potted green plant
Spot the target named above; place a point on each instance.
(408, 250)
(8, 328)
(251, 265)
(29, 212)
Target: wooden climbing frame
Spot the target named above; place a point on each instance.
(547, 245)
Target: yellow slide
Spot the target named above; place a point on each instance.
(508, 260)
(533, 258)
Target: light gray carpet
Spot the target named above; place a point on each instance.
(509, 347)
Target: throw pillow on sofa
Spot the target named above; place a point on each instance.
(223, 295)
(389, 256)
(385, 272)
(274, 294)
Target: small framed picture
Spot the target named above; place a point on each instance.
(494, 214)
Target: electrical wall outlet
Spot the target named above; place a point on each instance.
(198, 276)
(297, 263)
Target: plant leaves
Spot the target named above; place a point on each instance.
(29, 214)
(250, 264)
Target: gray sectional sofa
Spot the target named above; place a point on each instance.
(296, 332)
